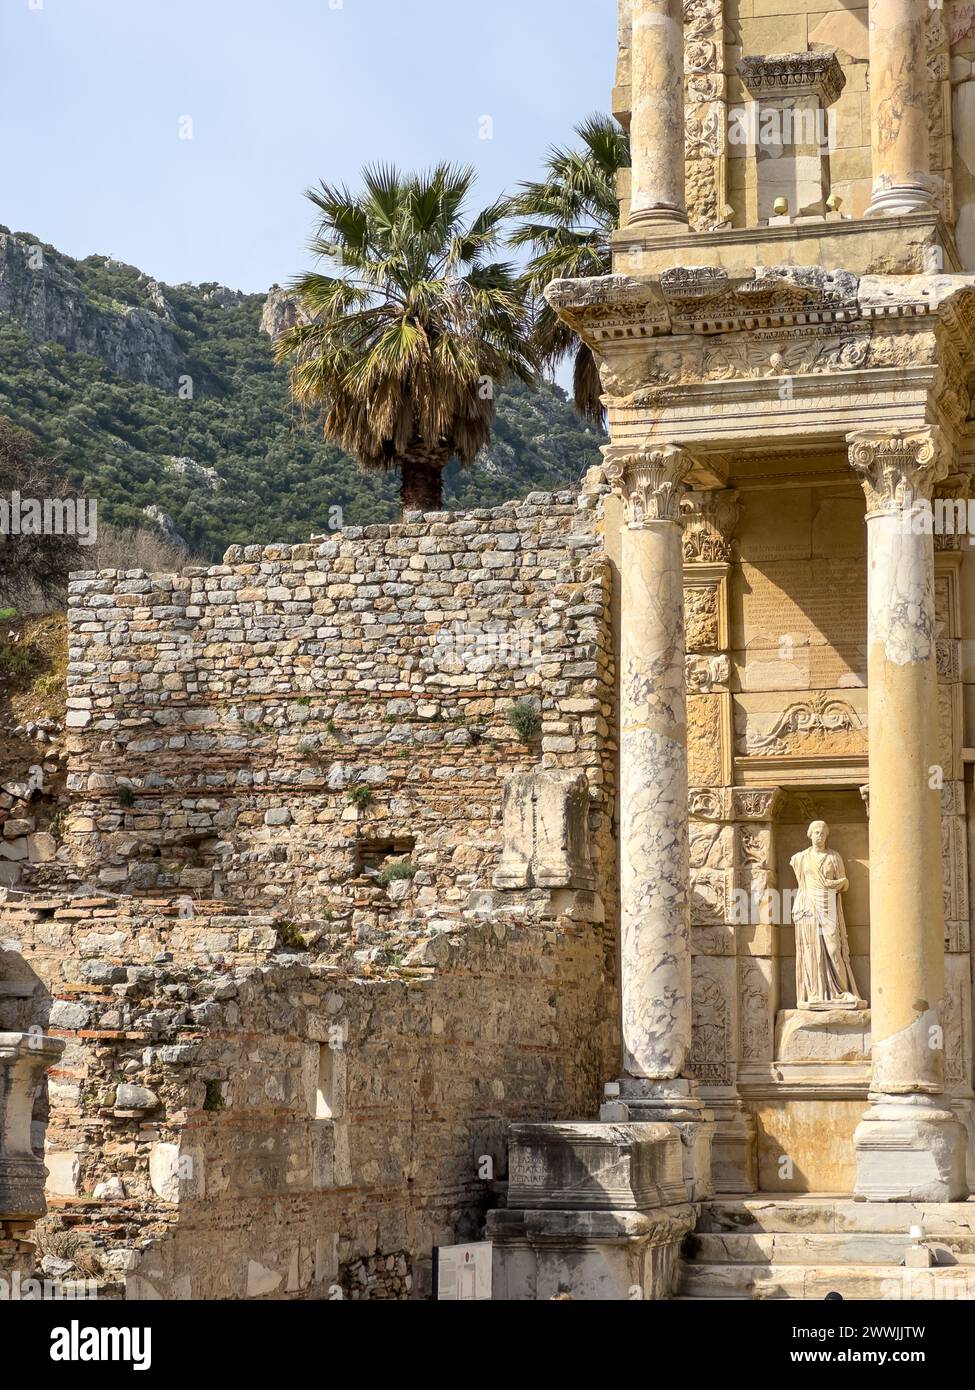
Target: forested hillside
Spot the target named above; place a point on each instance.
(167, 398)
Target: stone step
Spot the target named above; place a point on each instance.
(856, 1282)
(826, 1215)
(816, 1248)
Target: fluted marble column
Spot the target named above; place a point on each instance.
(900, 142)
(657, 116)
(909, 1144)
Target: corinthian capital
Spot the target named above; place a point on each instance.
(897, 468)
(650, 481)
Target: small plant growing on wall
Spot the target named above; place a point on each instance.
(291, 938)
(398, 869)
(360, 796)
(526, 720)
(126, 796)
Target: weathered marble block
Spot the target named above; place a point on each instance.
(822, 1035)
(595, 1212)
(607, 1167)
(546, 831)
(587, 1256)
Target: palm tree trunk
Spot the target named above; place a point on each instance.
(422, 480)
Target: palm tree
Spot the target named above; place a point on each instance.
(569, 218)
(406, 340)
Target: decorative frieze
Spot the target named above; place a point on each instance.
(711, 1060)
(820, 716)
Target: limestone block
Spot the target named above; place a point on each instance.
(164, 1171)
(42, 848)
(135, 1100)
(909, 1149)
(844, 30)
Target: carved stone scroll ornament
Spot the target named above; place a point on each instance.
(897, 469)
(821, 714)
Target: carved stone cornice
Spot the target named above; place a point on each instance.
(608, 310)
(783, 75)
(651, 482)
(897, 468)
(710, 519)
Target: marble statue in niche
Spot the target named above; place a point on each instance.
(824, 976)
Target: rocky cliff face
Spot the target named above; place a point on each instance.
(281, 312)
(40, 291)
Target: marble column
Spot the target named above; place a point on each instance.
(657, 115)
(655, 948)
(909, 1144)
(899, 84)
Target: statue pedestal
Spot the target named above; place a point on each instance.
(822, 1035)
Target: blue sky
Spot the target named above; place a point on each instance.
(280, 93)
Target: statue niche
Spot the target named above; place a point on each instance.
(824, 976)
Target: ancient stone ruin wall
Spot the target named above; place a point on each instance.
(268, 729)
(232, 1120)
(284, 1067)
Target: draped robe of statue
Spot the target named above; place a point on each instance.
(824, 976)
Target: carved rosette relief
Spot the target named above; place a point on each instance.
(897, 469)
(652, 483)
